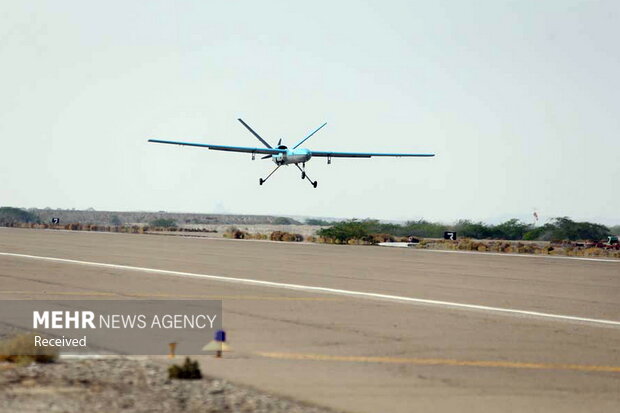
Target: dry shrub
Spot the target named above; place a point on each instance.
(257, 235)
(21, 349)
(236, 234)
(357, 241)
(493, 246)
(276, 235)
(467, 245)
(285, 236)
(594, 252)
(376, 238)
(525, 248)
(239, 234)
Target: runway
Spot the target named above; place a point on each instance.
(362, 328)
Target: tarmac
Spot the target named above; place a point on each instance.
(360, 328)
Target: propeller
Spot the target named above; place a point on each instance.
(269, 156)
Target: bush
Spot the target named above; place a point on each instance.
(285, 236)
(21, 349)
(163, 223)
(188, 371)
(377, 238)
(256, 235)
(342, 232)
(236, 233)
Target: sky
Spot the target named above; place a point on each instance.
(518, 99)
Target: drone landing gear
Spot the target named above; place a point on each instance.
(305, 176)
(262, 181)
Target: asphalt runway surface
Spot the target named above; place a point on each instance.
(357, 328)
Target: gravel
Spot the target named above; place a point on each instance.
(121, 384)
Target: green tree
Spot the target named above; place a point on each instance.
(423, 228)
(345, 231)
(478, 230)
(512, 229)
(542, 233)
(565, 228)
(10, 215)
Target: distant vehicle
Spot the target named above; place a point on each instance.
(610, 243)
(282, 155)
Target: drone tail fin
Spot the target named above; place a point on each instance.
(308, 137)
(254, 133)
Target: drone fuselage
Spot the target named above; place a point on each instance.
(291, 156)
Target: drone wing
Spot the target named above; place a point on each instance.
(328, 154)
(267, 151)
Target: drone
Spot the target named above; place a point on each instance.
(283, 155)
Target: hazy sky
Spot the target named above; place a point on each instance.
(519, 99)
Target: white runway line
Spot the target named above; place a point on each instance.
(299, 287)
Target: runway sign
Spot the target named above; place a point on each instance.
(451, 235)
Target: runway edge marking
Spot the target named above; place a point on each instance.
(300, 287)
